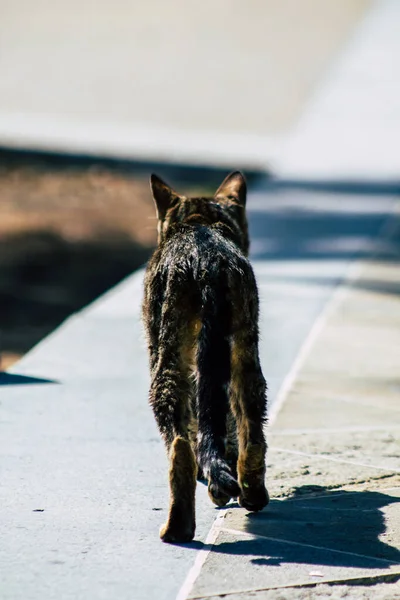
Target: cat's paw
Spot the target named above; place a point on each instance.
(217, 496)
(253, 498)
(180, 526)
(174, 535)
(222, 486)
(251, 467)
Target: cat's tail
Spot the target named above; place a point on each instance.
(214, 366)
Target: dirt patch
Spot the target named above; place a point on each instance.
(68, 232)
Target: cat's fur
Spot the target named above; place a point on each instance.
(207, 390)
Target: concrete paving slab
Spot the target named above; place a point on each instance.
(330, 412)
(379, 591)
(299, 471)
(362, 394)
(266, 563)
(94, 342)
(380, 450)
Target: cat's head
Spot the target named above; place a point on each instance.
(225, 211)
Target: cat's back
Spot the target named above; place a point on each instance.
(197, 254)
(201, 257)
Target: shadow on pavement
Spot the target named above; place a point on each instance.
(320, 232)
(331, 528)
(344, 186)
(380, 286)
(45, 277)
(12, 379)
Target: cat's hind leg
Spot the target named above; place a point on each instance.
(248, 400)
(170, 397)
(213, 364)
(181, 523)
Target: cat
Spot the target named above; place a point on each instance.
(200, 313)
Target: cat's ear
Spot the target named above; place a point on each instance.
(164, 196)
(233, 188)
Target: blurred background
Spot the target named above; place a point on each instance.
(95, 96)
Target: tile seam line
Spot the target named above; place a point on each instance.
(202, 556)
(379, 577)
(339, 292)
(324, 496)
(333, 459)
(321, 430)
(356, 402)
(291, 543)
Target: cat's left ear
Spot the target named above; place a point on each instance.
(164, 196)
(233, 188)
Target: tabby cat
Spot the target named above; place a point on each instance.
(200, 313)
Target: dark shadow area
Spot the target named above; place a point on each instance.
(336, 528)
(391, 288)
(194, 545)
(344, 186)
(13, 379)
(313, 232)
(44, 278)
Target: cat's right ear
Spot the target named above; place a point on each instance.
(234, 188)
(164, 196)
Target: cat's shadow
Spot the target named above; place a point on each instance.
(323, 528)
